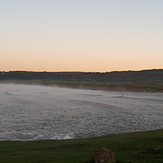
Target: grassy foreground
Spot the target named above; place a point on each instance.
(128, 148)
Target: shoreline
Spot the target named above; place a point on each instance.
(150, 87)
(80, 138)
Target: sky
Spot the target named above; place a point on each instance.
(81, 35)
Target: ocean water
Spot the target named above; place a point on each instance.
(30, 112)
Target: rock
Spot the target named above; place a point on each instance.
(156, 150)
(103, 155)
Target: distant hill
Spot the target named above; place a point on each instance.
(115, 76)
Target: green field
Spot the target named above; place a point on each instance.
(139, 147)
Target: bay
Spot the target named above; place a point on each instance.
(32, 112)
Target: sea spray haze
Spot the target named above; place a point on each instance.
(30, 112)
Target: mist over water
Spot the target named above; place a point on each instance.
(30, 112)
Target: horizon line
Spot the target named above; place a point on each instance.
(82, 71)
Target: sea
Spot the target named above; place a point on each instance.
(33, 112)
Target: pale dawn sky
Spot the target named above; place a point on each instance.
(81, 35)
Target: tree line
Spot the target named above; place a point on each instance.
(115, 76)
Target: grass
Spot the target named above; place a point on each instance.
(128, 148)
